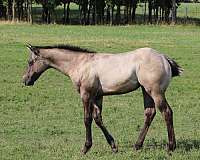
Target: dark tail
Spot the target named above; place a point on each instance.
(176, 69)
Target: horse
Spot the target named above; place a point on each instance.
(95, 75)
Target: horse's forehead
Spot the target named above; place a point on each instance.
(32, 55)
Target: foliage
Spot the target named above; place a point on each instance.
(91, 11)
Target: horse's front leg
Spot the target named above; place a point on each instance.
(98, 119)
(88, 109)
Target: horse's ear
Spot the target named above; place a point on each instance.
(32, 48)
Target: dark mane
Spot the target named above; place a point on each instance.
(67, 47)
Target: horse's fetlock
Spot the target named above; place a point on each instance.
(150, 112)
(98, 121)
(88, 144)
(171, 146)
(137, 146)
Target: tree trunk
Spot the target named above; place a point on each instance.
(173, 11)
(45, 14)
(94, 13)
(64, 13)
(48, 16)
(13, 11)
(89, 11)
(157, 9)
(118, 15)
(9, 10)
(1, 8)
(108, 15)
(80, 13)
(126, 15)
(68, 10)
(18, 11)
(150, 11)
(134, 6)
(29, 11)
(145, 11)
(102, 14)
(84, 6)
(129, 13)
(112, 15)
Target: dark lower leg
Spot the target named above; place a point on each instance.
(88, 122)
(99, 122)
(163, 106)
(88, 141)
(149, 114)
(168, 116)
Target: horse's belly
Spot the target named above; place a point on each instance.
(119, 87)
(117, 74)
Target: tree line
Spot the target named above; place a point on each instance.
(92, 11)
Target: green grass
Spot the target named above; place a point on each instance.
(46, 121)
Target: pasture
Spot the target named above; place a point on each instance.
(46, 121)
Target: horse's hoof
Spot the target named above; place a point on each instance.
(171, 147)
(85, 149)
(114, 149)
(137, 146)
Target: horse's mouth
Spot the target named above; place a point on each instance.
(28, 83)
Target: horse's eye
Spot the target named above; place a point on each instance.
(30, 63)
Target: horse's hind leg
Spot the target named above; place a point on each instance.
(98, 119)
(166, 111)
(149, 113)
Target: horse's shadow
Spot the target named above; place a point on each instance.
(188, 144)
(183, 144)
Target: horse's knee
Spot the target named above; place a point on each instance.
(168, 115)
(150, 112)
(160, 103)
(98, 120)
(97, 116)
(88, 120)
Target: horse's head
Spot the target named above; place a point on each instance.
(36, 66)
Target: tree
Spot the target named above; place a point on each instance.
(48, 9)
(173, 11)
(1, 9)
(9, 10)
(92, 11)
(134, 6)
(13, 10)
(66, 12)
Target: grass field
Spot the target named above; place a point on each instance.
(46, 121)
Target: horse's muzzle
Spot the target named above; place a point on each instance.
(27, 81)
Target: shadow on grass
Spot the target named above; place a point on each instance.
(182, 144)
(188, 144)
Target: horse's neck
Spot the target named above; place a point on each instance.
(64, 61)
